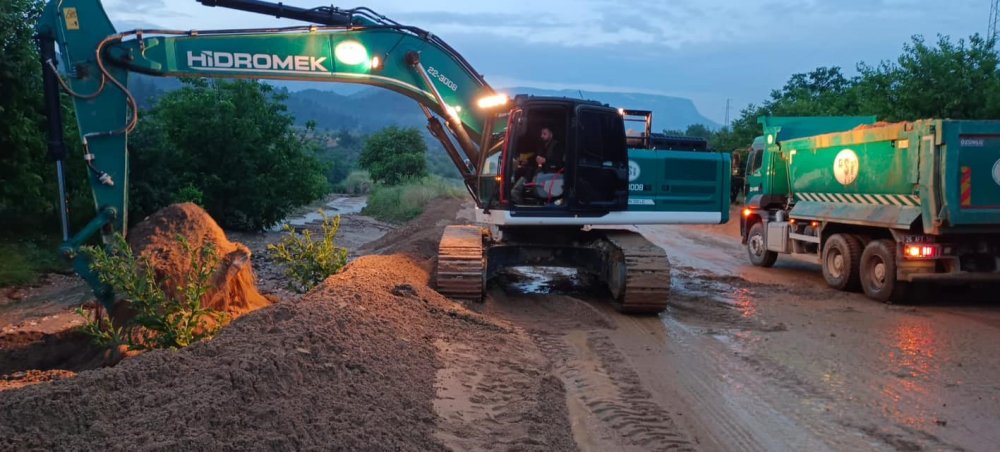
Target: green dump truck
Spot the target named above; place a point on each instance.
(880, 205)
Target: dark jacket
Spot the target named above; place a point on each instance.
(553, 153)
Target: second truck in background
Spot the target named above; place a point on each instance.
(880, 205)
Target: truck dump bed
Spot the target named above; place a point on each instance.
(943, 173)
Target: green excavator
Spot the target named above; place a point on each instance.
(577, 215)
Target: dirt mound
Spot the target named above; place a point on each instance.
(418, 238)
(357, 364)
(155, 238)
(32, 350)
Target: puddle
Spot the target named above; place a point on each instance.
(547, 280)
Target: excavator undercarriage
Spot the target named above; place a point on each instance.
(635, 271)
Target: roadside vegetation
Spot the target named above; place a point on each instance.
(395, 158)
(157, 318)
(309, 261)
(406, 200)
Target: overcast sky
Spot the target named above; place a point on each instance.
(705, 50)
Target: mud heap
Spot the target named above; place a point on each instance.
(357, 364)
(233, 287)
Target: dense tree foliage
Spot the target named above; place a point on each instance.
(27, 176)
(957, 80)
(228, 145)
(394, 154)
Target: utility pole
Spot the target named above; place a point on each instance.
(728, 100)
(991, 30)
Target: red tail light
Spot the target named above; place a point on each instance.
(921, 251)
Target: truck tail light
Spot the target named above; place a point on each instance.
(746, 213)
(921, 251)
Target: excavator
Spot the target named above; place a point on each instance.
(579, 216)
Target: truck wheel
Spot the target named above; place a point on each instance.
(841, 258)
(878, 273)
(757, 247)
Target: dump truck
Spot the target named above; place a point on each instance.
(880, 205)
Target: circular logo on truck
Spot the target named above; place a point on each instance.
(845, 167)
(996, 172)
(633, 171)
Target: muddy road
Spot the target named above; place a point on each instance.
(763, 359)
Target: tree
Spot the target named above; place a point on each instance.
(950, 80)
(229, 143)
(27, 177)
(394, 154)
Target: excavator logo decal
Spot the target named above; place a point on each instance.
(256, 62)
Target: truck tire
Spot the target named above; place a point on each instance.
(841, 260)
(878, 273)
(757, 247)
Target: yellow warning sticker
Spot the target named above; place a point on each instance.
(72, 21)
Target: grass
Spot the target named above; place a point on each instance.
(24, 261)
(406, 201)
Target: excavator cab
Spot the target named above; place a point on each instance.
(592, 177)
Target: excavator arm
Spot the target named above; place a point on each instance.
(347, 46)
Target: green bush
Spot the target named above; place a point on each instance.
(231, 146)
(356, 183)
(308, 261)
(160, 320)
(23, 261)
(405, 201)
(393, 155)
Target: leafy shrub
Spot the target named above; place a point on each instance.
(309, 261)
(356, 183)
(393, 155)
(229, 145)
(160, 320)
(403, 202)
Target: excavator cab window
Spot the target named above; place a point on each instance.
(601, 176)
(544, 184)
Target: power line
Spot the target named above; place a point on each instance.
(991, 31)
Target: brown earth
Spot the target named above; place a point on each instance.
(372, 359)
(233, 287)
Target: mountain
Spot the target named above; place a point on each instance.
(367, 109)
(671, 113)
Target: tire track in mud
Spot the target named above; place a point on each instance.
(609, 406)
(605, 388)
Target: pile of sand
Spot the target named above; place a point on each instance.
(233, 287)
(351, 366)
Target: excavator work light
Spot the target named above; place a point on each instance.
(491, 101)
(351, 53)
(376, 63)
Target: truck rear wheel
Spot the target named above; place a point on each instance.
(878, 273)
(757, 247)
(841, 259)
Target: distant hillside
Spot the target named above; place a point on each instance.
(369, 109)
(365, 111)
(672, 113)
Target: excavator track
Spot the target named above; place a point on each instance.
(460, 267)
(638, 273)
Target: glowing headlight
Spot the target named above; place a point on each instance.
(495, 100)
(351, 53)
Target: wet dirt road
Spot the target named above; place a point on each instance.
(767, 359)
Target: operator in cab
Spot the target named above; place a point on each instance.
(548, 159)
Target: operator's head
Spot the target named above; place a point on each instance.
(546, 134)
